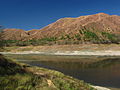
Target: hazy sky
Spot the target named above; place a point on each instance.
(35, 14)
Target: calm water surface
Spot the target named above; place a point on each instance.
(102, 71)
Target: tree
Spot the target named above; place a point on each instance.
(1, 37)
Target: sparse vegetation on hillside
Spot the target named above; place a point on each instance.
(84, 36)
(111, 37)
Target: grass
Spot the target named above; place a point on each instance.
(17, 76)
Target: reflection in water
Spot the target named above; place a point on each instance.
(102, 71)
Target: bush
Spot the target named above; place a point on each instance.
(111, 37)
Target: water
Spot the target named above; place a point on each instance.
(101, 71)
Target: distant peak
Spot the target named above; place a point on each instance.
(102, 14)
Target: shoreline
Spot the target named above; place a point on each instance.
(100, 87)
(82, 49)
(86, 53)
(85, 50)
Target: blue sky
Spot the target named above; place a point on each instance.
(35, 14)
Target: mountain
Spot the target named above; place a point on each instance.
(98, 22)
(14, 34)
(97, 28)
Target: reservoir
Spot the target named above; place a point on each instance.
(96, 70)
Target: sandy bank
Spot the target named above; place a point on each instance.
(99, 53)
(100, 88)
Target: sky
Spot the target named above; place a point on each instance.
(36, 14)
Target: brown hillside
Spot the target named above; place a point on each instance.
(15, 34)
(96, 24)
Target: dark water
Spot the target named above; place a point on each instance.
(102, 71)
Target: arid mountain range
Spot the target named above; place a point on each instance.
(84, 28)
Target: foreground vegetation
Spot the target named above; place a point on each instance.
(17, 76)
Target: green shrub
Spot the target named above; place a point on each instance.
(111, 37)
